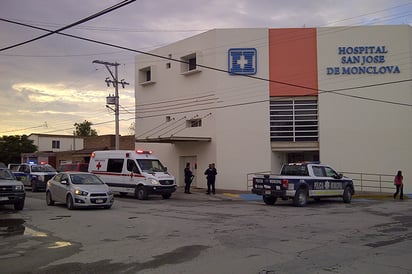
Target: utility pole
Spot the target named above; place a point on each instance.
(115, 83)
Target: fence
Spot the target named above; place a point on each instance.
(371, 182)
(362, 181)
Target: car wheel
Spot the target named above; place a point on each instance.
(347, 195)
(49, 200)
(123, 194)
(269, 200)
(141, 193)
(69, 202)
(33, 186)
(166, 196)
(301, 197)
(19, 205)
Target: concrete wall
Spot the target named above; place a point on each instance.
(234, 108)
(359, 135)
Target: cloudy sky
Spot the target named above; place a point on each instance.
(48, 85)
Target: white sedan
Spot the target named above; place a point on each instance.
(78, 189)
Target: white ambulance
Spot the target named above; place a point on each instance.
(137, 172)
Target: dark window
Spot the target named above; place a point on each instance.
(132, 167)
(148, 75)
(192, 63)
(56, 144)
(194, 123)
(115, 165)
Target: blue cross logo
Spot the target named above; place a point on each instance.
(242, 61)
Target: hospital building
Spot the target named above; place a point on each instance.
(250, 100)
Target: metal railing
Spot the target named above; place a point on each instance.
(371, 182)
(362, 181)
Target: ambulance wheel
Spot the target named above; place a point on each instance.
(347, 195)
(141, 193)
(269, 200)
(166, 196)
(301, 197)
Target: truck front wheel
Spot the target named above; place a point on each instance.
(33, 185)
(141, 193)
(347, 195)
(19, 205)
(301, 197)
(269, 200)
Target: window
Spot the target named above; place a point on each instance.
(168, 64)
(294, 120)
(194, 123)
(132, 167)
(115, 165)
(146, 75)
(318, 171)
(189, 63)
(331, 173)
(55, 144)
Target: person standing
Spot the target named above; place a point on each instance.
(211, 173)
(399, 185)
(188, 178)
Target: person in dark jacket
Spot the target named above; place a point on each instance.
(188, 178)
(211, 173)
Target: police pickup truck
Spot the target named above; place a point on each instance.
(300, 181)
(33, 175)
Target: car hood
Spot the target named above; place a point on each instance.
(92, 188)
(159, 175)
(10, 182)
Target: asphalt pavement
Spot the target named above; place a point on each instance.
(237, 195)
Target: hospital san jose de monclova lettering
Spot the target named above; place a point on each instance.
(363, 60)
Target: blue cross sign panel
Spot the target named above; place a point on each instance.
(242, 61)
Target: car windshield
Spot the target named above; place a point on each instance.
(148, 165)
(6, 174)
(42, 168)
(85, 179)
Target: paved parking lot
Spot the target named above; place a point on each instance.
(199, 233)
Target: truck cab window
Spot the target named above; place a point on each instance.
(132, 167)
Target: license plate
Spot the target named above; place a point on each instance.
(99, 201)
(268, 192)
(277, 187)
(4, 198)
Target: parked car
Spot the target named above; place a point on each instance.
(78, 189)
(11, 190)
(74, 167)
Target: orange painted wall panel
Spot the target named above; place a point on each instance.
(293, 61)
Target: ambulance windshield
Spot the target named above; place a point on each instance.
(150, 166)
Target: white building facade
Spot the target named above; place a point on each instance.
(250, 100)
(56, 143)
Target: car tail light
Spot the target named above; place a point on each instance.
(285, 183)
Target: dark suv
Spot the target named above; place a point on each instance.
(11, 190)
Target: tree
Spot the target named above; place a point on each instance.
(84, 129)
(12, 146)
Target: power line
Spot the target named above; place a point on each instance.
(91, 17)
(226, 71)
